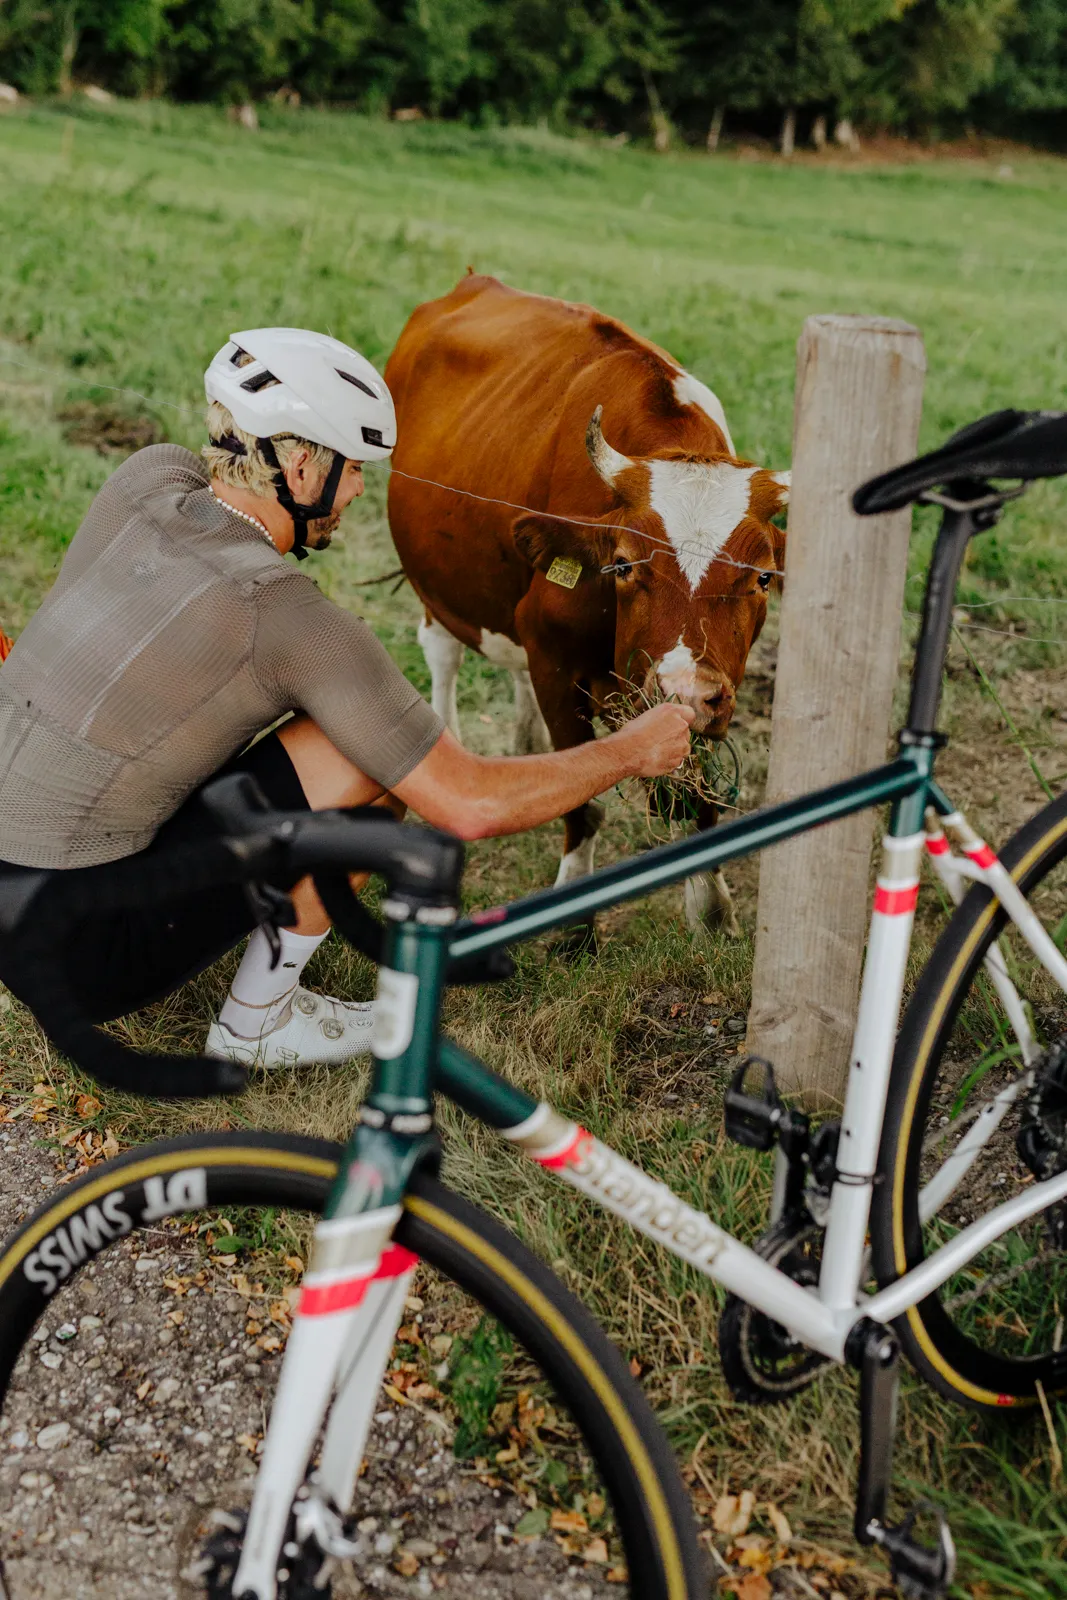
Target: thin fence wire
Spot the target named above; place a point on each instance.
(431, 483)
(657, 544)
(585, 522)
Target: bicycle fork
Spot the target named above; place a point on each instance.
(346, 1321)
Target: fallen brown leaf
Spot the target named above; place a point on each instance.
(780, 1523)
(733, 1513)
(568, 1522)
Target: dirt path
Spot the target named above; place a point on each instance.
(133, 1406)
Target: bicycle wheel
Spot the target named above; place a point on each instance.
(134, 1388)
(969, 1123)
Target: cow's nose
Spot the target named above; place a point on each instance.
(718, 699)
(714, 706)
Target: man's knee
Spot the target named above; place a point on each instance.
(326, 776)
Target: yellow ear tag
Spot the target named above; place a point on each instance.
(564, 571)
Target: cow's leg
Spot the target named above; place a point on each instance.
(709, 904)
(531, 734)
(531, 731)
(443, 653)
(582, 827)
(708, 901)
(562, 701)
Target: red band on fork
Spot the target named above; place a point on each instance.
(319, 1299)
(895, 902)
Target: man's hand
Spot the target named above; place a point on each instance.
(482, 796)
(657, 741)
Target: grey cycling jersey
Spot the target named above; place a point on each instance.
(174, 633)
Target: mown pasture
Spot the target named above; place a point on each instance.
(133, 239)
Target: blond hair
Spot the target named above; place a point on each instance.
(252, 471)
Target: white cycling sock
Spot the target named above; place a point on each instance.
(257, 995)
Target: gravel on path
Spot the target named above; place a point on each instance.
(133, 1407)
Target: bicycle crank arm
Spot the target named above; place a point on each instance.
(921, 1571)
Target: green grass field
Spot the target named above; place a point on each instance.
(134, 239)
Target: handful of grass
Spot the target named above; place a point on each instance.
(709, 775)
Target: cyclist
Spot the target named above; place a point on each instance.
(176, 632)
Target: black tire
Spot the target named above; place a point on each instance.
(631, 1453)
(993, 1358)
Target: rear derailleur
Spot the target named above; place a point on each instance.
(763, 1362)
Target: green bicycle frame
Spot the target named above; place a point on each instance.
(395, 1132)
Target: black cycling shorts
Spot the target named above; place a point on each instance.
(122, 960)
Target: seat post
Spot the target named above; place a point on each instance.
(957, 527)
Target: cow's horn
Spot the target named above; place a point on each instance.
(607, 462)
(783, 480)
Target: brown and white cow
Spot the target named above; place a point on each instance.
(520, 398)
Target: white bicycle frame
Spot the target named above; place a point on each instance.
(353, 1297)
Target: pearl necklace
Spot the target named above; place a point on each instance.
(246, 516)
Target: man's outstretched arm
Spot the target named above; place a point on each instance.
(480, 797)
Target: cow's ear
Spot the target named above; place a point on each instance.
(768, 498)
(541, 539)
(768, 494)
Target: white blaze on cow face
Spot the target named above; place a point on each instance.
(677, 673)
(689, 391)
(700, 504)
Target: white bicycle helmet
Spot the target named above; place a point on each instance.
(292, 381)
(306, 384)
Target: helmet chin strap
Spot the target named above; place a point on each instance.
(302, 514)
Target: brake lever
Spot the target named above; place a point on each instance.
(272, 909)
(235, 802)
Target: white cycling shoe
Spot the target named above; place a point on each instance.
(318, 1032)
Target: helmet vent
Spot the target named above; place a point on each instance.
(258, 381)
(241, 358)
(358, 382)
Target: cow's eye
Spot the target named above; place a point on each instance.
(622, 568)
(764, 580)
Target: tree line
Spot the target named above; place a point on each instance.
(692, 70)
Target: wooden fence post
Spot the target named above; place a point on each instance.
(858, 403)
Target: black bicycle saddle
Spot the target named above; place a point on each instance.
(1006, 444)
